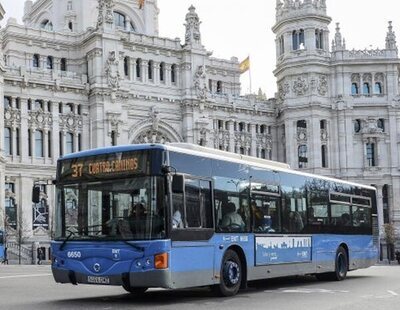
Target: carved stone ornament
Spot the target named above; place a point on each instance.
(283, 90)
(192, 25)
(322, 85)
(71, 122)
(300, 86)
(324, 135)
(40, 119)
(112, 71)
(105, 12)
(200, 83)
(152, 136)
(370, 126)
(12, 117)
(301, 134)
(155, 117)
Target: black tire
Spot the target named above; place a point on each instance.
(136, 291)
(230, 275)
(341, 267)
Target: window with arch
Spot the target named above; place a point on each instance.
(63, 64)
(354, 89)
(7, 141)
(7, 103)
(49, 144)
(17, 141)
(39, 143)
(126, 66)
(385, 198)
(357, 126)
(150, 65)
(302, 156)
(138, 67)
(41, 210)
(79, 142)
(46, 25)
(70, 26)
(36, 61)
(69, 108)
(219, 87)
(281, 45)
(302, 124)
(173, 73)
(298, 39)
(378, 88)
(319, 39)
(371, 154)
(69, 143)
(119, 20)
(162, 70)
(49, 62)
(366, 89)
(113, 138)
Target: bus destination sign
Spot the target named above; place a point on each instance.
(104, 166)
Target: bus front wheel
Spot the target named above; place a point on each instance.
(230, 274)
(341, 267)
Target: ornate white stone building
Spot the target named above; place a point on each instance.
(338, 110)
(85, 74)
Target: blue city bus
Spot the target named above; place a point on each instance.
(180, 215)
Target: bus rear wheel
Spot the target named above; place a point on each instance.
(341, 267)
(230, 275)
(136, 291)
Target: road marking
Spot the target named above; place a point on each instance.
(393, 293)
(27, 276)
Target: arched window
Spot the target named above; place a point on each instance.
(7, 103)
(119, 20)
(70, 26)
(219, 87)
(63, 64)
(69, 108)
(138, 67)
(7, 141)
(366, 89)
(357, 125)
(378, 88)
(162, 70)
(10, 206)
(126, 66)
(46, 25)
(49, 63)
(298, 39)
(69, 143)
(39, 143)
(281, 43)
(354, 89)
(302, 156)
(35, 61)
(371, 156)
(150, 69)
(173, 73)
(324, 156)
(301, 124)
(319, 39)
(113, 138)
(132, 27)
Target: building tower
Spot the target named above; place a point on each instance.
(302, 72)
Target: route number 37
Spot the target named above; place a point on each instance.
(76, 170)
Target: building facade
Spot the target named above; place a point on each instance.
(338, 108)
(93, 73)
(86, 74)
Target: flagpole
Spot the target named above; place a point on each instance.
(250, 77)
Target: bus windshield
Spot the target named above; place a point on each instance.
(124, 209)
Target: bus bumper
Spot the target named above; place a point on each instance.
(151, 278)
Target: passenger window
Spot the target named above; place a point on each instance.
(361, 217)
(340, 215)
(265, 211)
(197, 210)
(294, 214)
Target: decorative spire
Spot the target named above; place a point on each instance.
(192, 25)
(338, 43)
(391, 38)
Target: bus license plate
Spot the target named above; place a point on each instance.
(98, 280)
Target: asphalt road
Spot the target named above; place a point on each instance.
(32, 287)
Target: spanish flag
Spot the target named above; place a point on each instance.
(245, 65)
(141, 4)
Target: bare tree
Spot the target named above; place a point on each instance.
(390, 238)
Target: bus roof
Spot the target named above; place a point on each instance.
(194, 149)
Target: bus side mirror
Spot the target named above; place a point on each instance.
(178, 184)
(36, 194)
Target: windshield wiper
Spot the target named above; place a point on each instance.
(71, 233)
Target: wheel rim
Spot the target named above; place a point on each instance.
(231, 273)
(341, 265)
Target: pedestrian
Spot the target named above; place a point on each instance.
(5, 259)
(39, 256)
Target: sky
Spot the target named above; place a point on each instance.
(242, 28)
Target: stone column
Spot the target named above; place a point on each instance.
(379, 200)
(144, 68)
(253, 150)
(231, 136)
